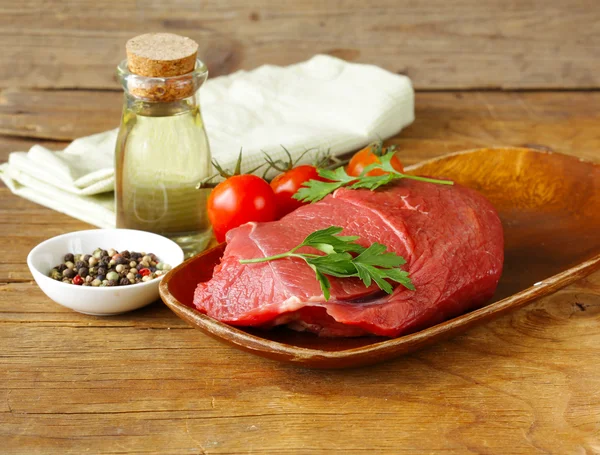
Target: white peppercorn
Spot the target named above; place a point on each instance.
(109, 268)
(112, 276)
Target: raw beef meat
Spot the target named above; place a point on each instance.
(450, 236)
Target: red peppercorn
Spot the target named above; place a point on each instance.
(78, 280)
(144, 272)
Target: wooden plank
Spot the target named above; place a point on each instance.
(439, 44)
(445, 121)
(145, 383)
(58, 114)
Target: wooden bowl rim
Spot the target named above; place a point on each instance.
(248, 340)
(497, 149)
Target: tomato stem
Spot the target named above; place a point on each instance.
(206, 183)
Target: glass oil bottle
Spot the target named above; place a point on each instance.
(162, 152)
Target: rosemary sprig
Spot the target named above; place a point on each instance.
(370, 264)
(314, 190)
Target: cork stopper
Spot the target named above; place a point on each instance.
(161, 55)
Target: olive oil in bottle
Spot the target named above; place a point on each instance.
(162, 150)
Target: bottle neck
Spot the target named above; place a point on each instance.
(173, 93)
(159, 109)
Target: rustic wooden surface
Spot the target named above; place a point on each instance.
(145, 382)
(439, 44)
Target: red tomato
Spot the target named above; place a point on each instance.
(238, 200)
(365, 157)
(285, 186)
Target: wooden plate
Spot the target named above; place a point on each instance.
(550, 208)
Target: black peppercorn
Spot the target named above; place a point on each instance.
(69, 273)
(108, 268)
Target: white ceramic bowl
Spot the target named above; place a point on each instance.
(100, 301)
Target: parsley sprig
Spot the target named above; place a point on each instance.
(372, 264)
(315, 190)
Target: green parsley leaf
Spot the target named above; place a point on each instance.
(376, 255)
(336, 264)
(372, 264)
(315, 190)
(328, 241)
(323, 282)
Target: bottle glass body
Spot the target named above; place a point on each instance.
(162, 153)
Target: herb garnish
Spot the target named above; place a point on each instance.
(315, 190)
(374, 263)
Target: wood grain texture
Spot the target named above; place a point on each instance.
(58, 114)
(439, 44)
(147, 383)
(445, 122)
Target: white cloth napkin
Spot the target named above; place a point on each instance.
(323, 104)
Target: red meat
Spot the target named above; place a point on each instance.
(450, 236)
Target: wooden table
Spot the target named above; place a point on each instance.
(145, 382)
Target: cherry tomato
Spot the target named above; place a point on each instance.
(285, 186)
(238, 200)
(365, 157)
